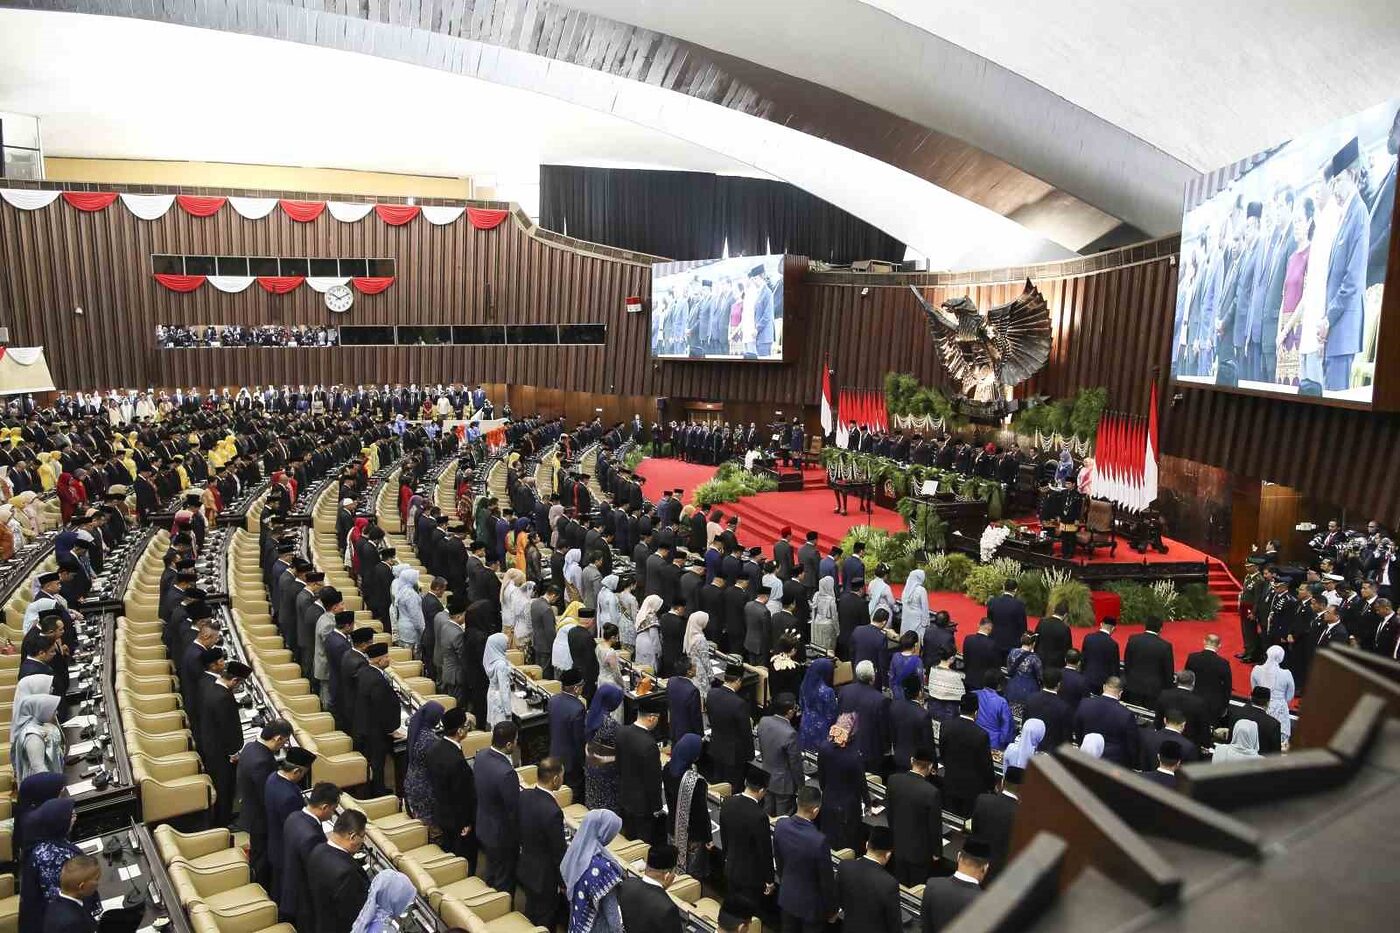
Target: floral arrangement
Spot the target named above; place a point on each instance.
(992, 538)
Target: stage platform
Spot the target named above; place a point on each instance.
(762, 517)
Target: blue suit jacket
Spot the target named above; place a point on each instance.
(1101, 658)
(827, 568)
(1346, 280)
(683, 698)
(803, 855)
(1115, 723)
(566, 715)
(869, 643)
(281, 798)
(852, 570)
(497, 799)
(1244, 291)
(1008, 615)
(300, 834)
(872, 709)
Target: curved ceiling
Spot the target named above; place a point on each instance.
(191, 85)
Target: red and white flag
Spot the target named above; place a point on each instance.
(1125, 459)
(828, 415)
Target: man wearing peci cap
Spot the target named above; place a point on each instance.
(566, 717)
(309, 610)
(256, 762)
(748, 838)
(222, 736)
(1340, 333)
(641, 801)
(945, 898)
(869, 893)
(643, 900)
(355, 661)
(379, 715)
(328, 606)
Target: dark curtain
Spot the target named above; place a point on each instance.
(689, 215)
(671, 214)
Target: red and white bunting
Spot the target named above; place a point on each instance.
(1125, 459)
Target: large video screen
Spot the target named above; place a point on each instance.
(718, 309)
(1282, 270)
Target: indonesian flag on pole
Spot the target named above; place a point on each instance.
(827, 414)
(1149, 467)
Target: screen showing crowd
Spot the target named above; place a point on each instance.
(1282, 270)
(200, 336)
(718, 309)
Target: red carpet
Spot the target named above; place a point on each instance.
(762, 517)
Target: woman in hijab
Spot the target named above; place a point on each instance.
(391, 893)
(1018, 754)
(1092, 745)
(497, 665)
(573, 574)
(33, 685)
(608, 611)
(648, 653)
(37, 790)
(36, 741)
(417, 784)
(49, 847)
(1244, 743)
(627, 609)
(697, 646)
(352, 540)
(690, 812)
(1064, 470)
(915, 600)
(818, 702)
(824, 625)
(591, 875)
(516, 594)
(1281, 688)
(600, 756)
(841, 774)
(480, 626)
(1023, 666)
(28, 513)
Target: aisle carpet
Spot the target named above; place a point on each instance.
(761, 517)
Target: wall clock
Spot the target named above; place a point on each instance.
(339, 298)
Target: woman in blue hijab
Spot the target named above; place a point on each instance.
(35, 791)
(686, 793)
(417, 784)
(818, 703)
(600, 754)
(49, 847)
(391, 893)
(591, 875)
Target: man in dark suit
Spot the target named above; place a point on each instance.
(1074, 686)
(980, 655)
(78, 881)
(1168, 759)
(869, 894)
(542, 845)
(1151, 740)
(379, 715)
(966, 751)
(672, 636)
(1346, 272)
(256, 762)
(1052, 638)
(807, 896)
(497, 806)
(731, 728)
(640, 797)
(911, 724)
(1008, 615)
(454, 788)
(1106, 715)
(339, 886)
(684, 712)
(853, 568)
(782, 555)
(1147, 665)
(1100, 653)
(870, 643)
(1049, 707)
(945, 898)
(222, 736)
(1270, 732)
(852, 611)
(351, 664)
(810, 558)
(643, 900)
(566, 716)
(302, 832)
(994, 814)
(914, 810)
(748, 839)
(281, 796)
(1213, 678)
(872, 709)
(1184, 699)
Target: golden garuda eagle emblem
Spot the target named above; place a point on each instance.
(987, 352)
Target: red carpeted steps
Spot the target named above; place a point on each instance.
(1223, 583)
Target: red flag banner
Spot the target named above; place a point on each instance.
(486, 218)
(396, 215)
(371, 284)
(180, 283)
(302, 211)
(280, 284)
(90, 200)
(197, 205)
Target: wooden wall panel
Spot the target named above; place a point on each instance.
(1111, 316)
